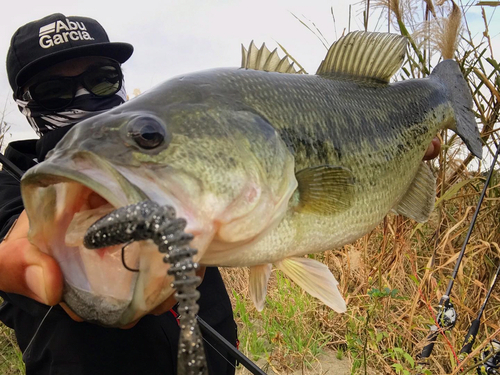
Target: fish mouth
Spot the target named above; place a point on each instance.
(63, 198)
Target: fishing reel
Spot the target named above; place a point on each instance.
(447, 315)
(446, 319)
(490, 358)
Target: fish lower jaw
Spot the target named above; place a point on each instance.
(97, 283)
(97, 309)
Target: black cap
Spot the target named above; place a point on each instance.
(57, 38)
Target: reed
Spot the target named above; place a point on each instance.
(395, 276)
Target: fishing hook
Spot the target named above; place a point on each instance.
(149, 220)
(207, 329)
(123, 258)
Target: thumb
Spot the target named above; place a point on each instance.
(25, 270)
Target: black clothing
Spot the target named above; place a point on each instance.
(63, 346)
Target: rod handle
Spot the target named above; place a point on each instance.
(431, 338)
(470, 337)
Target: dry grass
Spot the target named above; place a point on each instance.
(10, 356)
(393, 277)
(384, 327)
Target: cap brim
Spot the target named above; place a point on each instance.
(120, 52)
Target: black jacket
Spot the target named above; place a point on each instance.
(63, 346)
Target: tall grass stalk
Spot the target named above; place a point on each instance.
(393, 277)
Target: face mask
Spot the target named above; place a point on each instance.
(85, 105)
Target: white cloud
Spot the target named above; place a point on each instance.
(176, 37)
(173, 37)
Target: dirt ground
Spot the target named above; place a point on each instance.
(327, 364)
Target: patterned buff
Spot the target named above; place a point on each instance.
(84, 105)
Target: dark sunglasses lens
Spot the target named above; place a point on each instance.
(53, 94)
(104, 80)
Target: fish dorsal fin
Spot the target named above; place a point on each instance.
(316, 279)
(418, 202)
(376, 56)
(259, 276)
(325, 189)
(263, 59)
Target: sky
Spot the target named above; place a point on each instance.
(173, 37)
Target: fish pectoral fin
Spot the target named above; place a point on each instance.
(325, 189)
(375, 56)
(263, 59)
(259, 276)
(316, 279)
(418, 202)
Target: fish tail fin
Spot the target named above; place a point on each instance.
(449, 74)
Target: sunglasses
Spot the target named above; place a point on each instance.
(54, 93)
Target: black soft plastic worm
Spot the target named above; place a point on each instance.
(148, 220)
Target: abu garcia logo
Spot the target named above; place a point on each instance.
(59, 32)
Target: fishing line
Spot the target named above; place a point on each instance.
(207, 329)
(25, 353)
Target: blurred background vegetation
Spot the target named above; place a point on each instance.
(393, 277)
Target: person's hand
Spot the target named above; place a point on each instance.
(25, 270)
(433, 149)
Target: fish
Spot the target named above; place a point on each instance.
(265, 166)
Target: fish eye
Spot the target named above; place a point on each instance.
(148, 132)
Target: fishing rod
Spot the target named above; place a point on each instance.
(235, 353)
(490, 358)
(471, 335)
(10, 167)
(15, 172)
(447, 315)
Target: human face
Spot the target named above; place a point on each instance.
(55, 87)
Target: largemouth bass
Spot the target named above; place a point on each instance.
(265, 167)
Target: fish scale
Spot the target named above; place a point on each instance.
(265, 167)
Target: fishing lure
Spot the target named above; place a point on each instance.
(148, 220)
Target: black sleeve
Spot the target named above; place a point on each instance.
(11, 203)
(62, 346)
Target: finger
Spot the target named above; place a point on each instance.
(25, 270)
(433, 149)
